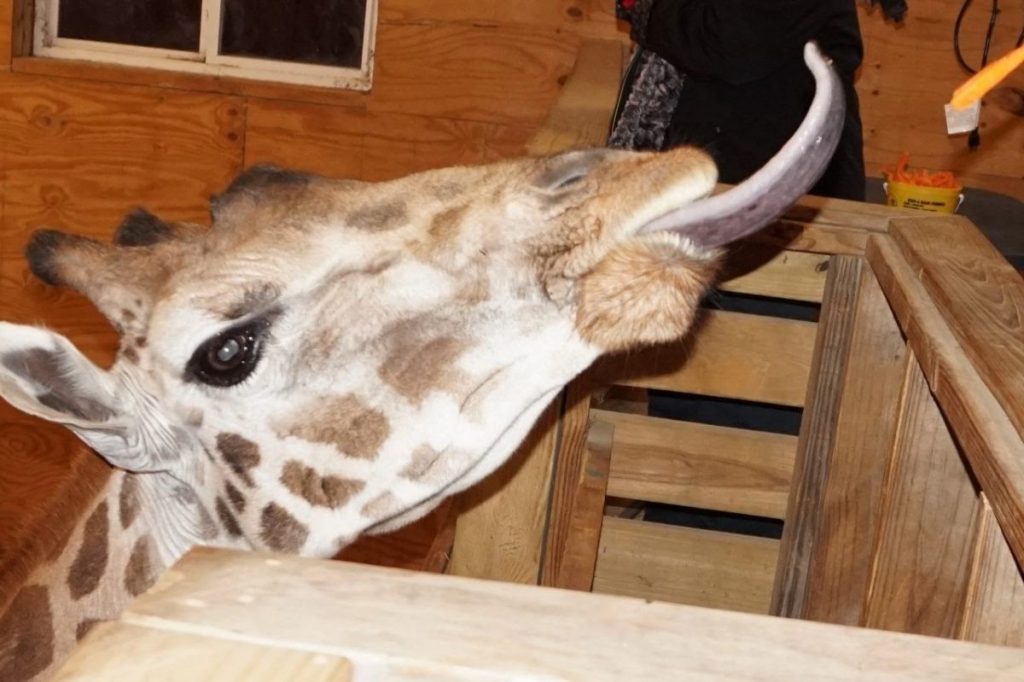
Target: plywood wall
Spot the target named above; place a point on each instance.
(456, 82)
(910, 71)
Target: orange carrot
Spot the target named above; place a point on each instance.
(978, 85)
(902, 172)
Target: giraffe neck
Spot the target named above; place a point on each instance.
(115, 551)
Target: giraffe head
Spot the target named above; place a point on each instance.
(333, 357)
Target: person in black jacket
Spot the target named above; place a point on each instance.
(728, 76)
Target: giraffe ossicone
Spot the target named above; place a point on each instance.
(334, 357)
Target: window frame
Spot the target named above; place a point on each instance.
(207, 60)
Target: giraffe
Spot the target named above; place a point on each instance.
(335, 357)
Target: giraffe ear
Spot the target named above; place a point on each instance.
(43, 374)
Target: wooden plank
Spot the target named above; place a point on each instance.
(7, 11)
(806, 236)
(685, 565)
(699, 465)
(817, 435)
(980, 296)
(903, 111)
(578, 555)
(115, 651)
(468, 629)
(988, 438)
(592, 18)
(795, 275)
(571, 464)
(995, 605)
(344, 142)
(929, 519)
(729, 355)
(582, 112)
(499, 534)
(504, 74)
(840, 567)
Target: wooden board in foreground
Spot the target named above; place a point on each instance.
(117, 651)
(403, 625)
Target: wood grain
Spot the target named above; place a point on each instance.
(994, 609)
(730, 355)
(988, 438)
(817, 436)
(475, 73)
(351, 143)
(582, 112)
(699, 465)
(981, 298)
(155, 656)
(569, 472)
(902, 110)
(578, 555)
(929, 518)
(839, 570)
(499, 534)
(592, 18)
(794, 275)
(440, 627)
(685, 565)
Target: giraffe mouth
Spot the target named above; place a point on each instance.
(762, 198)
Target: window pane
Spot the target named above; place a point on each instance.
(328, 32)
(171, 24)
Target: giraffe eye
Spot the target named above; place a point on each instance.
(230, 357)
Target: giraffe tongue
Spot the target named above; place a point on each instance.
(790, 174)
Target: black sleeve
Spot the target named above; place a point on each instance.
(736, 41)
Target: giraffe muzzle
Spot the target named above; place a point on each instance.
(764, 196)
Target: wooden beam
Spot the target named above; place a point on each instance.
(794, 275)
(582, 112)
(929, 518)
(980, 296)
(685, 565)
(817, 435)
(117, 651)
(994, 609)
(988, 438)
(831, 582)
(729, 355)
(415, 626)
(499, 534)
(699, 465)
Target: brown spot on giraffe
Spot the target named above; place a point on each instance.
(128, 316)
(240, 454)
(128, 500)
(228, 519)
(85, 626)
(280, 530)
(345, 422)
(26, 635)
(380, 506)
(91, 561)
(141, 342)
(415, 366)
(380, 217)
(319, 491)
(130, 354)
(445, 226)
(424, 458)
(139, 574)
(235, 496)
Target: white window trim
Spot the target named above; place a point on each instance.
(207, 60)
